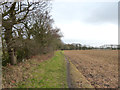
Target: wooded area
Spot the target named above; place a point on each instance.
(27, 30)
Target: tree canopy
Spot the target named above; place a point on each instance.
(27, 30)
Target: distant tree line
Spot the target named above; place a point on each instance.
(110, 46)
(85, 47)
(75, 47)
(27, 30)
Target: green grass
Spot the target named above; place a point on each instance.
(48, 74)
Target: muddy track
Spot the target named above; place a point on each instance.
(70, 85)
(69, 81)
(74, 78)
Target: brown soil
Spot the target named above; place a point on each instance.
(100, 67)
(11, 74)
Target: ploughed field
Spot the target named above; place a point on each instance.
(100, 67)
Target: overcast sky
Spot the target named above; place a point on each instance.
(92, 23)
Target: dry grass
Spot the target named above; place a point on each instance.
(11, 75)
(100, 67)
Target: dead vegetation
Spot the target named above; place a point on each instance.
(11, 75)
(100, 67)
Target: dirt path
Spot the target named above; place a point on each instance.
(74, 78)
(68, 74)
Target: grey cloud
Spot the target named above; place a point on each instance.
(90, 12)
(103, 12)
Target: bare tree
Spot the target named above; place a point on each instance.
(13, 14)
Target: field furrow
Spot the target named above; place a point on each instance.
(100, 67)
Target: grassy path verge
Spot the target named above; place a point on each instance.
(48, 74)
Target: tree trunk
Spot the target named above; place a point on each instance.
(3, 49)
(10, 49)
(12, 57)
